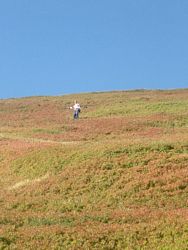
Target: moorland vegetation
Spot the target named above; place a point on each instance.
(116, 178)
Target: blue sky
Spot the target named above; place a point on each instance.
(50, 47)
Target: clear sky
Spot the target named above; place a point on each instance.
(50, 47)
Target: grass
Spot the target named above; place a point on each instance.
(121, 182)
(139, 108)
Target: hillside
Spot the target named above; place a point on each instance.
(116, 178)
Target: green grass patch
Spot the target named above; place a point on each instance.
(139, 107)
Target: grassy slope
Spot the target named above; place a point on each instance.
(115, 179)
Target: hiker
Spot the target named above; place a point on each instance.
(76, 109)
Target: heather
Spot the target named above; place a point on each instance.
(114, 179)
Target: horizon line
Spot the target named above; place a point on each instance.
(93, 92)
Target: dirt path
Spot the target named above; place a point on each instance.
(32, 140)
(29, 139)
(27, 182)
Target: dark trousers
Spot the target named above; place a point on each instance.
(76, 114)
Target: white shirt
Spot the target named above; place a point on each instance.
(76, 106)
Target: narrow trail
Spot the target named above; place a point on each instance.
(27, 182)
(33, 140)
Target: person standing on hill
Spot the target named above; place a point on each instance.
(76, 109)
